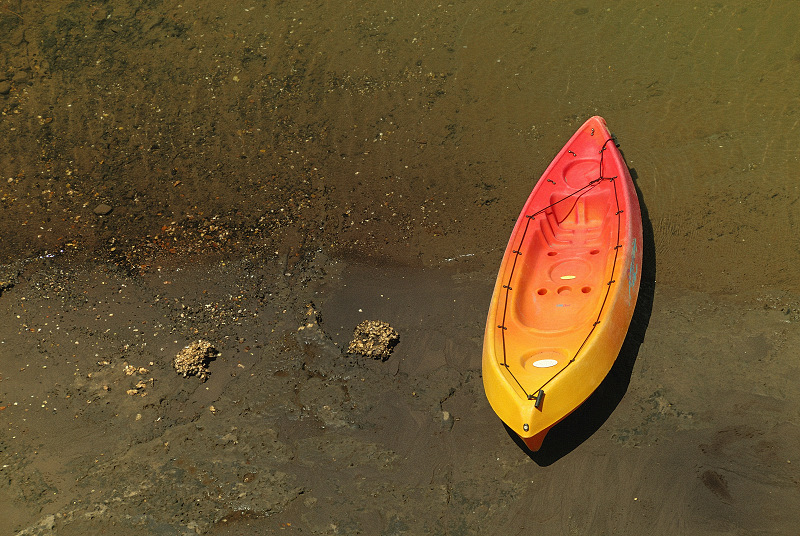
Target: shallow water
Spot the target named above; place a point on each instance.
(287, 149)
(407, 131)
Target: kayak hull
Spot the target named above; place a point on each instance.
(566, 288)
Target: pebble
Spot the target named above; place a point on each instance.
(102, 209)
(99, 14)
(17, 37)
(20, 77)
(5, 87)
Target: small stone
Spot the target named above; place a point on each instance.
(17, 37)
(5, 87)
(103, 209)
(20, 77)
(447, 421)
(99, 14)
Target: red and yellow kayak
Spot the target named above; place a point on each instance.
(566, 289)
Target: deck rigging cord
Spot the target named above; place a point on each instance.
(537, 395)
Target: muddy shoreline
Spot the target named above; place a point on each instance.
(290, 433)
(265, 177)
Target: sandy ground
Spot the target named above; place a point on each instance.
(267, 176)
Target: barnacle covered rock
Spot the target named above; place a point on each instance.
(373, 338)
(193, 360)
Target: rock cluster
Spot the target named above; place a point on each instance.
(193, 360)
(9, 273)
(373, 338)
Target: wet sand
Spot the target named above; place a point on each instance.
(266, 177)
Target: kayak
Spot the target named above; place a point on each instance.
(566, 288)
